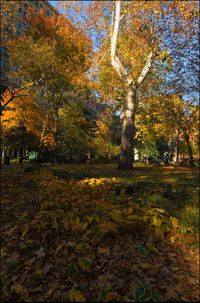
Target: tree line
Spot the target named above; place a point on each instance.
(103, 81)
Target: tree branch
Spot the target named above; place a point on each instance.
(116, 63)
(13, 96)
(145, 69)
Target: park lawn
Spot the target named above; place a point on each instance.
(176, 189)
(93, 233)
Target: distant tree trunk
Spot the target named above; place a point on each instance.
(55, 130)
(128, 131)
(70, 155)
(21, 150)
(189, 148)
(177, 149)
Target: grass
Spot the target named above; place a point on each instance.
(176, 189)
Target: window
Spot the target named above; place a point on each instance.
(41, 5)
(19, 25)
(6, 29)
(4, 50)
(36, 3)
(4, 65)
(48, 12)
(24, 26)
(19, 11)
(18, 34)
(25, 6)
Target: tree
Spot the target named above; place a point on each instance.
(182, 116)
(133, 83)
(54, 58)
(19, 132)
(169, 117)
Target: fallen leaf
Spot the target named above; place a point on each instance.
(103, 250)
(77, 296)
(40, 253)
(19, 289)
(85, 263)
(174, 222)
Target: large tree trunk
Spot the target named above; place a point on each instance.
(189, 148)
(128, 131)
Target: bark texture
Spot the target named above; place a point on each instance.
(128, 131)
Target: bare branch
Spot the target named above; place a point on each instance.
(13, 96)
(146, 68)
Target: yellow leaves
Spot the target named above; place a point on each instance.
(130, 210)
(174, 222)
(49, 292)
(152, 248)
(159, 234)
(25, 230)
(172, 239)
(147, 266)
(77, 225)
(85, 263)
(19, 289)
(156, 221)
(107, 227)
(45, 205)
(77, 296)
(60, 246)
(116, 215)
(94, 181)
(103, 250)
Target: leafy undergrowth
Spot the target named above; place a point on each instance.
(90, 241)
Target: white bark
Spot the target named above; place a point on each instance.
(116, 63)
(145, 69)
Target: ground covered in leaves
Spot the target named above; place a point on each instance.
(91, 233)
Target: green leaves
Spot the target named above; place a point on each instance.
(141, 248)
(72, 271)
(146, 292)
(140, 292)
(155, 295)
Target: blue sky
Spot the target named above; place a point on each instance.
(53, 3)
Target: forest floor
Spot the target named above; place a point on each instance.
(93, 233)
